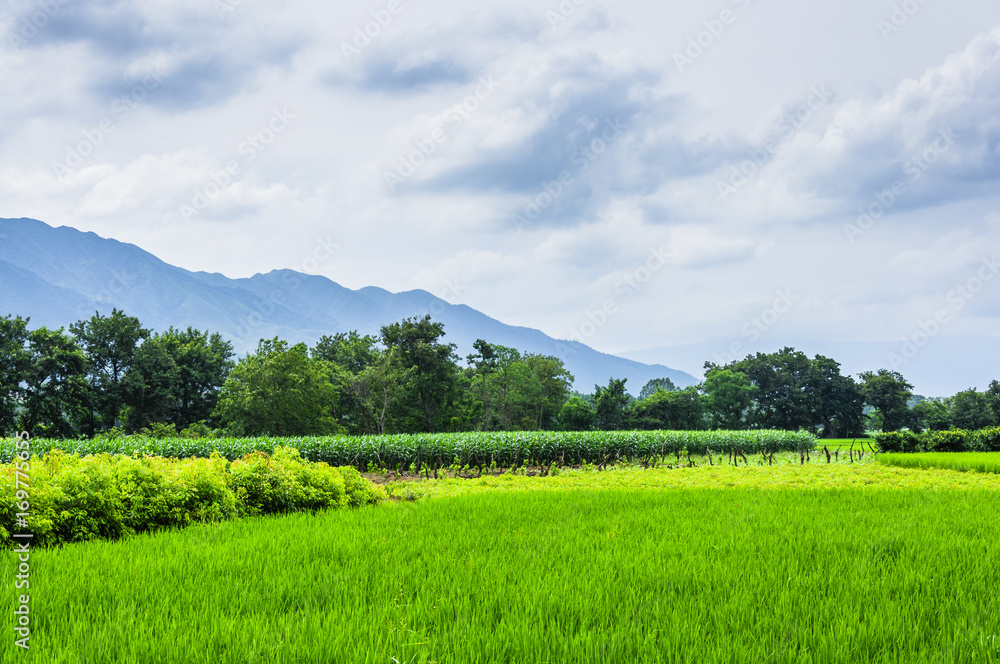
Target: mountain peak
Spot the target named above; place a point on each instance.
(60, 275)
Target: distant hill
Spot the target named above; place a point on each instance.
(60, 275)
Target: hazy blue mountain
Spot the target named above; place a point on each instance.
(60, 275)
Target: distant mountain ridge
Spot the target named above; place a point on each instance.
(60, 275)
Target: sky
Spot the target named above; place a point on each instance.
(630, 174)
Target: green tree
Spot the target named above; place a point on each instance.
(611, 405)
(678, 410)
(930, 414)
(576, 415)
(14, 362)
(972, 410)
(551, 383)
(110, 343)
(427, 372)
(350, 351)
(55, 385)
(728, 395)
(656, 384)
(175, 377)
(279, 391)
(994, 394)
(780, 398)
(203, 360)
(836, 401)
(888, 392)
(150, 386)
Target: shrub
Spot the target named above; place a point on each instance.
(987, 440)
(103, 496)
(284, 483)
(951, 440)
(359, 490)
(898, 441)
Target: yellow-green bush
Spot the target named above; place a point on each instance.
(74, 498)
(285, 483)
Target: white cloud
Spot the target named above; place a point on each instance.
(655, 184)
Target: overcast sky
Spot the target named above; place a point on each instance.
(696, 170)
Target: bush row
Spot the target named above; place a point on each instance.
(73, 498)
(951, 440)
(421, 451)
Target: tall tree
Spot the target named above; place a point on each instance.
(576, 415)
(930, 414)
(203, 360)
(836, 401)
(350, 351)
(55, 385)
(279, 391)
(551, 384)
(889, 393)
(656, 384)
(728, 395)
(780, 397)
(432, 375)
(110, 343)
(14, 362)
(994, 394)
(150, 387)
(611, 405)
(972, 410)
(678, 410)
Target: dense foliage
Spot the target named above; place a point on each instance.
(109, 372)
(949, 440)
(107, 496)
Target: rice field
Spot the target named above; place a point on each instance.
(790, 563)
(981, 462)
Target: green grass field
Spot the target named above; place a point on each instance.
(707, 564)
(983, 462)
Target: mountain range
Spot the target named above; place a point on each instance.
(57, 276)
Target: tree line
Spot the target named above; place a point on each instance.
(108, 373)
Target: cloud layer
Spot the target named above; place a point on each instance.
(530, 160)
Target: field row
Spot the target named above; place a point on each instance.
(434, 451)
(867, 476)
